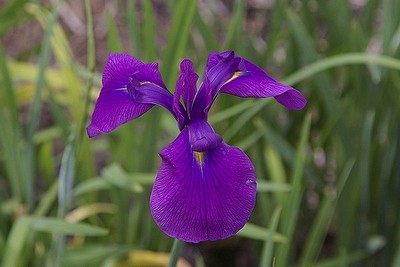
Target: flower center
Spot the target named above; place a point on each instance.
(234, 76)
(202, 137)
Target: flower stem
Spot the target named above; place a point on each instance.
(175, 252)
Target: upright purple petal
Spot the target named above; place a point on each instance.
(186, 83)
(118, 69)
(149, 73)
(215, 57)
(202, 101)
(186, 89)
(114, 108)
(199, 196)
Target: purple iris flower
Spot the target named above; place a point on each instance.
(205, 189)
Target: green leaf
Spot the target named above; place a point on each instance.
(259, 233)
(59, 226)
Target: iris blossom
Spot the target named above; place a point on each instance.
(204, 189)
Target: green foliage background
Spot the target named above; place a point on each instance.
(328, 176)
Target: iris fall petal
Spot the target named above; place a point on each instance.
(114, 108)
(200, 196)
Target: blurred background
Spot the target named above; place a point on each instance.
(328, 175)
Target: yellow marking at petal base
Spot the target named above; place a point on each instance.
(145, 82)
(199, 157)
(234, 76)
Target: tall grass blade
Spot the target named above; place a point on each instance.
(177, 39)
(149, 32)
(175, 252)
(34, 112)
(268, 246)
(113, 40)
(291, 206)
(324, 217)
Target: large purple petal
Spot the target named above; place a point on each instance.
(199, 196)
(116, 104)
(114, 108)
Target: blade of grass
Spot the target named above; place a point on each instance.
(343, 261)
(292, 204)
(66, 180)
(342, 60)
(320, 226)
(34, 112)
(113, 40)
(149, 32)
(134, 28)
(175, 252)
(241, 121)
(59, 226)
(93, 254)
(19, 233)
(10, 14)
(9, 90)
(268, 246)
(47, 200)
(177, 39)
(260, 233)
(91, 62)
(10, 135)
(235, 30)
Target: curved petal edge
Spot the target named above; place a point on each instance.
(200, 196)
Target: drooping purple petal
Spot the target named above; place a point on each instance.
(255, 82)
(114, 108)
(199, 196)
(237, 76)
(116, 104)
(260, 85)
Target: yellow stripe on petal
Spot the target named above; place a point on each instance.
(234, 76)
(199, 157)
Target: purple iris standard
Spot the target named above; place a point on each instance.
(204, 189)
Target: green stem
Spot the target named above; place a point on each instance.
(175, 252)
